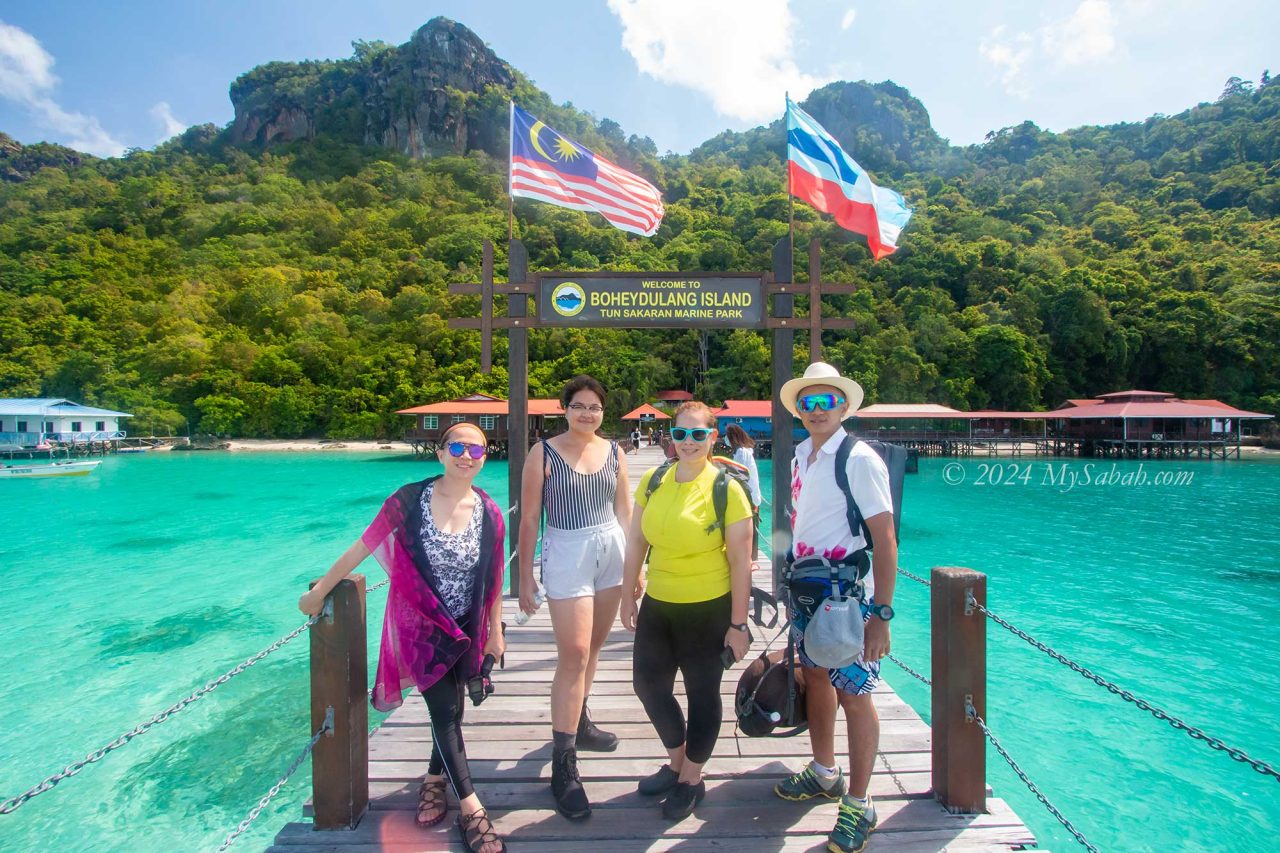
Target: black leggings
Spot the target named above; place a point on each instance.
(448, 753)
(690, 638)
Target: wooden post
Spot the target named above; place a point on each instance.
(783, 445)
(959, 676)
(340, 680)
(517, 396)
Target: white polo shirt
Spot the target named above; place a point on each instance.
(819, 523)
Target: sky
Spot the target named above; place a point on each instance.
(105, 77)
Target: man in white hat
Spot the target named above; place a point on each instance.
(821, 527)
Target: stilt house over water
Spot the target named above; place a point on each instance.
(29, 422)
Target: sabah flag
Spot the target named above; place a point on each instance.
(557, 170)
(830, 180)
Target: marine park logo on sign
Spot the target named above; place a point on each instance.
(568, 299)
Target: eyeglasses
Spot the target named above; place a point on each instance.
(475, 451)
(819, 402)
(579, 408)
(697, 434)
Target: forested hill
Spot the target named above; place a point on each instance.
(286, 275)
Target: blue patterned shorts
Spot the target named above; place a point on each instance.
(856, 679)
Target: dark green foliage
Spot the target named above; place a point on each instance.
(301, 289)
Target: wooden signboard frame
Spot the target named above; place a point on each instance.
(778, 288)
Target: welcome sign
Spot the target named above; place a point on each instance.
(651, 300)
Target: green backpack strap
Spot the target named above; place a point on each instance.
(656, 479)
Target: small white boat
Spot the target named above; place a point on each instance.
(54, 469)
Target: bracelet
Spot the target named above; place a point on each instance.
(740, 626)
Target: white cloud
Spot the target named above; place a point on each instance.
(170, 126)
(27, 78)
(1088, 35)
(741, 59)
(1008, 53)
(848, 19)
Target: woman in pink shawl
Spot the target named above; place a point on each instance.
(440, 542)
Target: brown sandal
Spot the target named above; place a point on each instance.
(477, 831)
(430, 797)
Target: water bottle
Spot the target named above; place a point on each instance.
(523, 618)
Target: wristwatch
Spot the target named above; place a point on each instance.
(740, 626)
(884, 611)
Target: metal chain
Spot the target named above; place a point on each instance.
(378, 585)
(915, 578)
(11, 805)
(326, 726)
(908, 670)
(1160, 714)
(972, 714)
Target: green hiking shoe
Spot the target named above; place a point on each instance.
(854, 825)
(807, 784)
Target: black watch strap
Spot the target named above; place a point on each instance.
(741, 626)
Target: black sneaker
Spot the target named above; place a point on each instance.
(593, 739)
(566, 786)
(659, 783)
(680, 803)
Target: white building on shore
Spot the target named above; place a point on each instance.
(30, 422)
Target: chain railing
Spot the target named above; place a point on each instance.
(909, 671)
(70, 770)
(325, 727)
(1159, 713)
(915, 578)
(972, 714)
(14, 803)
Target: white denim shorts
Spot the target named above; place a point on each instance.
(583, 561)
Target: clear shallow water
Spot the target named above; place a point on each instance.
(130, 588)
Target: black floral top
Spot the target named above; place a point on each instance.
(452, 557)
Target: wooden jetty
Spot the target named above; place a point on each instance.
(508, 743)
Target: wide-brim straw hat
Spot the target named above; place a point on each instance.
(821, 373)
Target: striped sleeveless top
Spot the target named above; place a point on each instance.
(573, 500)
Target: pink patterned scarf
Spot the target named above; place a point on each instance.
(421, 641)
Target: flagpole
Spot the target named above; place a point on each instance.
(511, 202)
(791, 199)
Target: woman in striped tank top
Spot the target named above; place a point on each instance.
(580, 480)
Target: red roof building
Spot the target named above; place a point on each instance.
(646, 413)
(488, 413)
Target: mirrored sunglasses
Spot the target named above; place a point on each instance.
(819, 402)
(697, 434)
(475, 451)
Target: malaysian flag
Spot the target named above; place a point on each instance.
(552, 168)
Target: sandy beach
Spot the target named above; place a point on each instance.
(315, 445)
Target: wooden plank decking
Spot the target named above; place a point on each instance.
(508, 742)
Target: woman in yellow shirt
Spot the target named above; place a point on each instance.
(694, 607)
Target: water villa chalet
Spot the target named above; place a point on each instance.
(1136, 424)
(489, 413)
(39, 423)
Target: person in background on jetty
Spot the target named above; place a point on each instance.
(822, 399)
(580, 480)
(440, 541)
(695, 603)
(744, 454)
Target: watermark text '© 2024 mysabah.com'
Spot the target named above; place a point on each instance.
(1063, 476)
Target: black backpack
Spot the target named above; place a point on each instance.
(895, 459)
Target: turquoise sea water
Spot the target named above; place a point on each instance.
(126, 590)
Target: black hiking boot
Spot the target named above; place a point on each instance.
(566, 785)
(591, 738)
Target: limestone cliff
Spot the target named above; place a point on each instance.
(412, 98)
